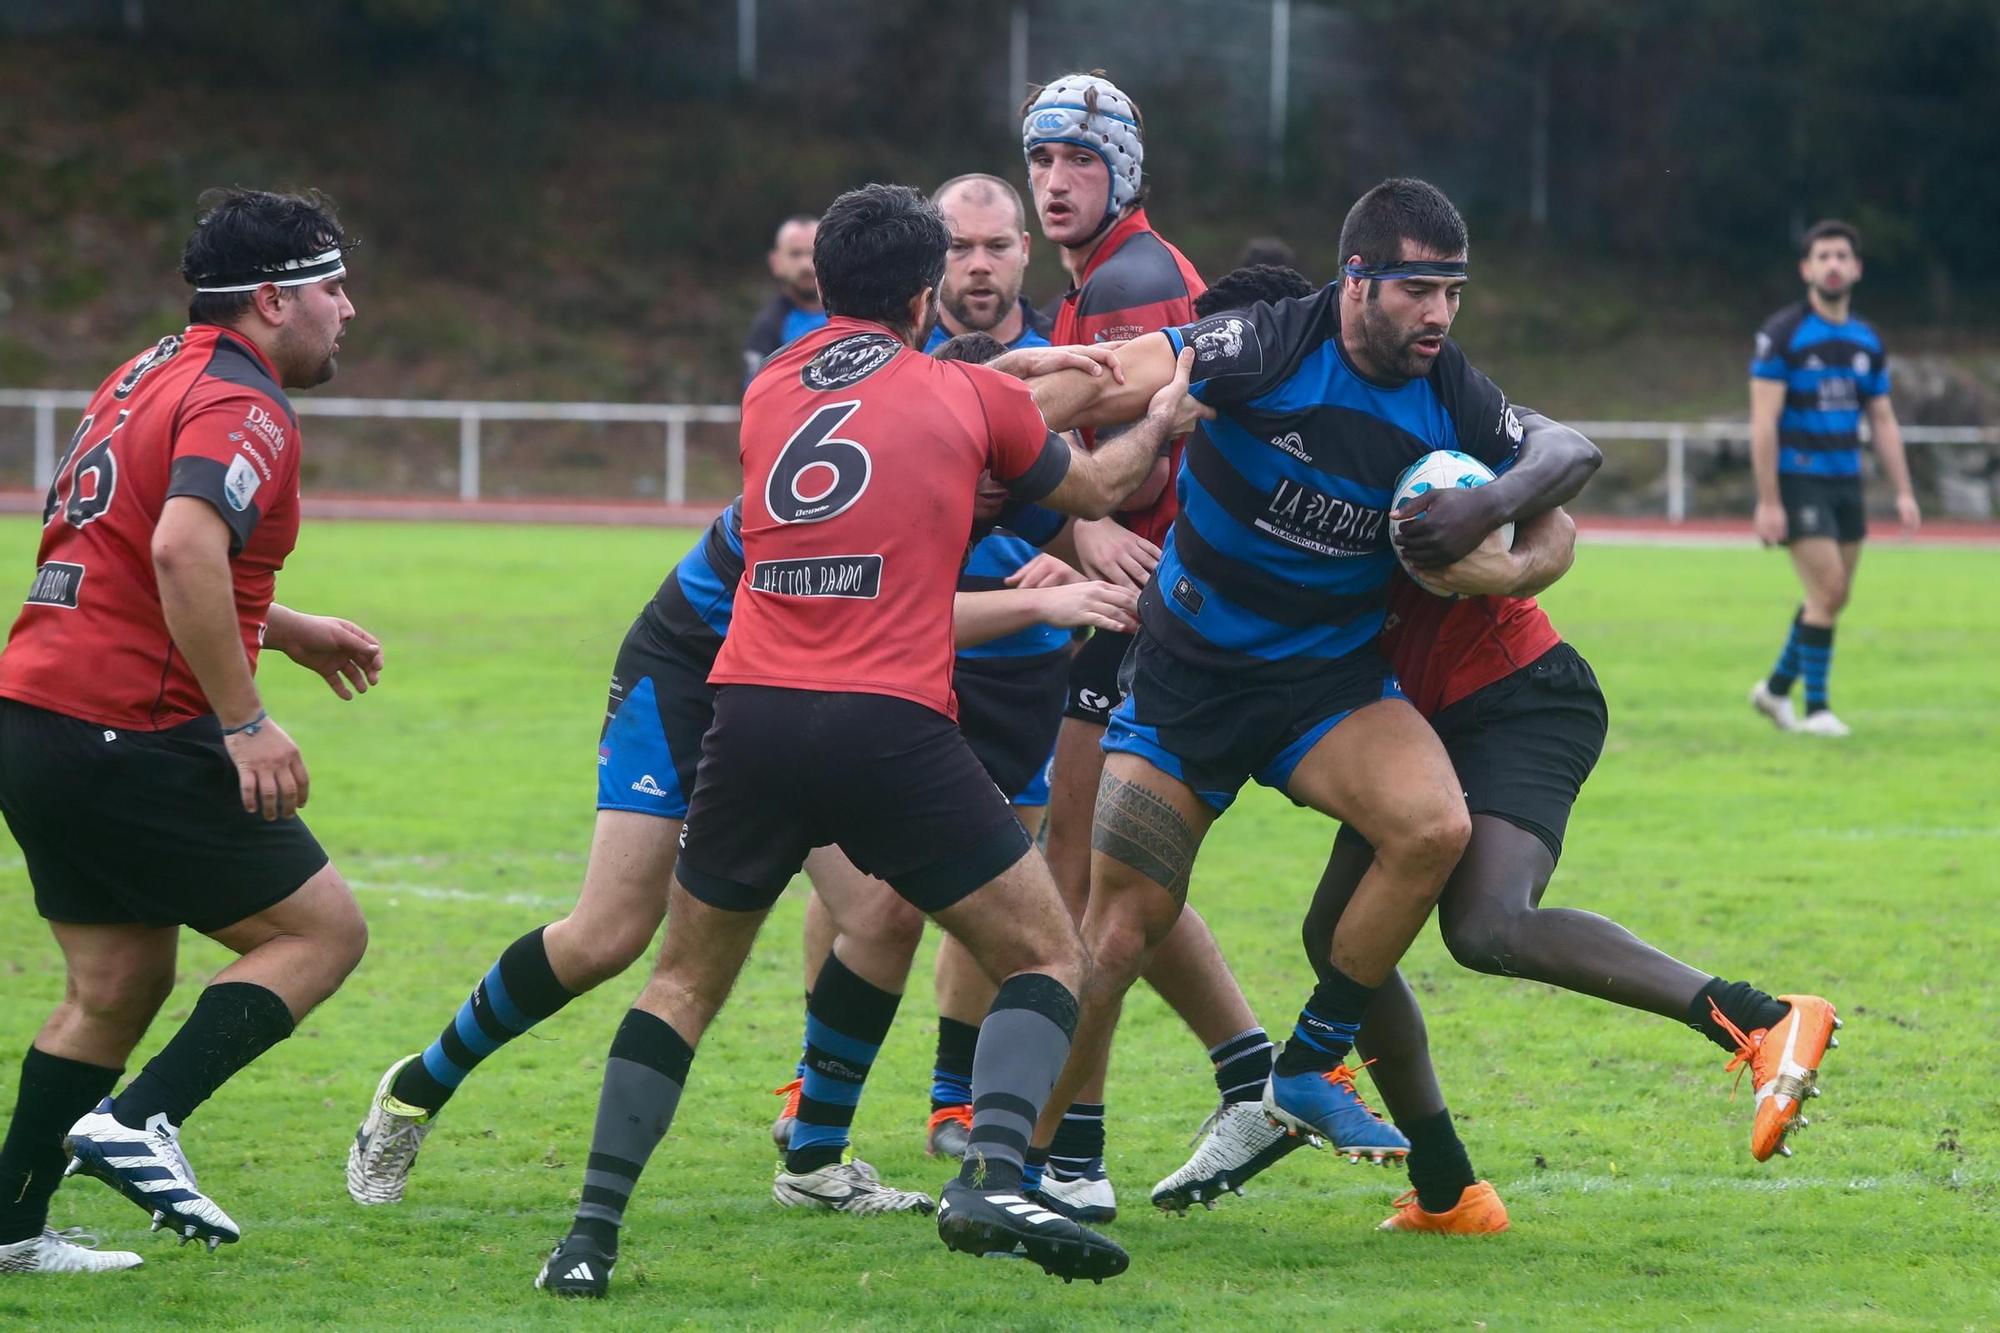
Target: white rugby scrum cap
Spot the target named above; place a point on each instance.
(1063, 113)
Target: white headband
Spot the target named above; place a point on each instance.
(296, 273)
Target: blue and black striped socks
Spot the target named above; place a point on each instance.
(1816, 661)
(1325, 1031)
(520, 991)
(951, 1074)
(846, 1022)
(1787, 669)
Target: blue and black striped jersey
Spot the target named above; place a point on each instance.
(1281, 552)
(1829, 371)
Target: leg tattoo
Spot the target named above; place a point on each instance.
(1137, 827)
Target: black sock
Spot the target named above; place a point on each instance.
(233, 1023)
(1439, 1167)
(1325, 1031)
(1740, 1002)
(517, 992)
(951, 1074)
(54, 1094)
(1078, 1147)
(847, 1020)
(1242, 1065)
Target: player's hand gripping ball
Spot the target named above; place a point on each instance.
(1439, 470)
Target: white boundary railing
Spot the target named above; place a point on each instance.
(674, 419)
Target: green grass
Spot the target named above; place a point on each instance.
(458, 801)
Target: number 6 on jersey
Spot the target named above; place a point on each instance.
(818, 476)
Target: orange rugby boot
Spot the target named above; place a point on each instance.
(781, 1128)
(1478, 1212)
(1783, 1061)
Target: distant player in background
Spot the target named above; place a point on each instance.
(794, 310)
(1084, 139)
(1817, 368)
(142, 778)
(1267, 252)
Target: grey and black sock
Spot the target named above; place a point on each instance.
(643, 1078)
(1023, 1045)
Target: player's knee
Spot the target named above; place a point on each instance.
(123, 1004)
(1484, 941)
(1426, 848)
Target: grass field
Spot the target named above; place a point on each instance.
(458, 800)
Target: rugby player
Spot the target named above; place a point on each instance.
(1257, 656)
(1816, 370)
(1084, 139)
(1009, 678)
(981, 291)
(139, 771)
(794, 310)
(660, 705)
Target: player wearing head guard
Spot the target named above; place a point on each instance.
(1257, 651)
(1084, 138)
(833, 716)
(142, 778)
(1818, 368)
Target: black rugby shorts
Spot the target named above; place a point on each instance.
(1524, 745)
(889, 781)
(1823, 507)
(1093, 677)
(141, 827)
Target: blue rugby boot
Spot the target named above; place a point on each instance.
(148, 1167)
(1326, 1106)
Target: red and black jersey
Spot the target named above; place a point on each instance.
(199, 414)
(1443, 650)
(860, 461)
(1134, 283)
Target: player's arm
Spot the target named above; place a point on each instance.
(981, 617)
(1550, 466)
(1887, 436)
(1098, 483)
(1072, 398)
(191, 547)
(1767, 403)
(1544, 549)
(340, 652)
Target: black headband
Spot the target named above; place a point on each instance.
(1407, 268)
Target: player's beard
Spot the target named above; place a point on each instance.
(970, 321)
(1390, 348)
(307, 366)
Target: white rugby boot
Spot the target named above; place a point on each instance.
(72, 1250)
(385, 1147)
(847, 1187)
(1777, 707)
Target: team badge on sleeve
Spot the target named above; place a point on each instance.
(1224, 345)
(239, 485)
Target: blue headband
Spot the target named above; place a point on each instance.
(1408, 268)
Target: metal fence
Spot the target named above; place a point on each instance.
(674, 419)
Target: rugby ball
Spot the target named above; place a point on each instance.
(1441, 470)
